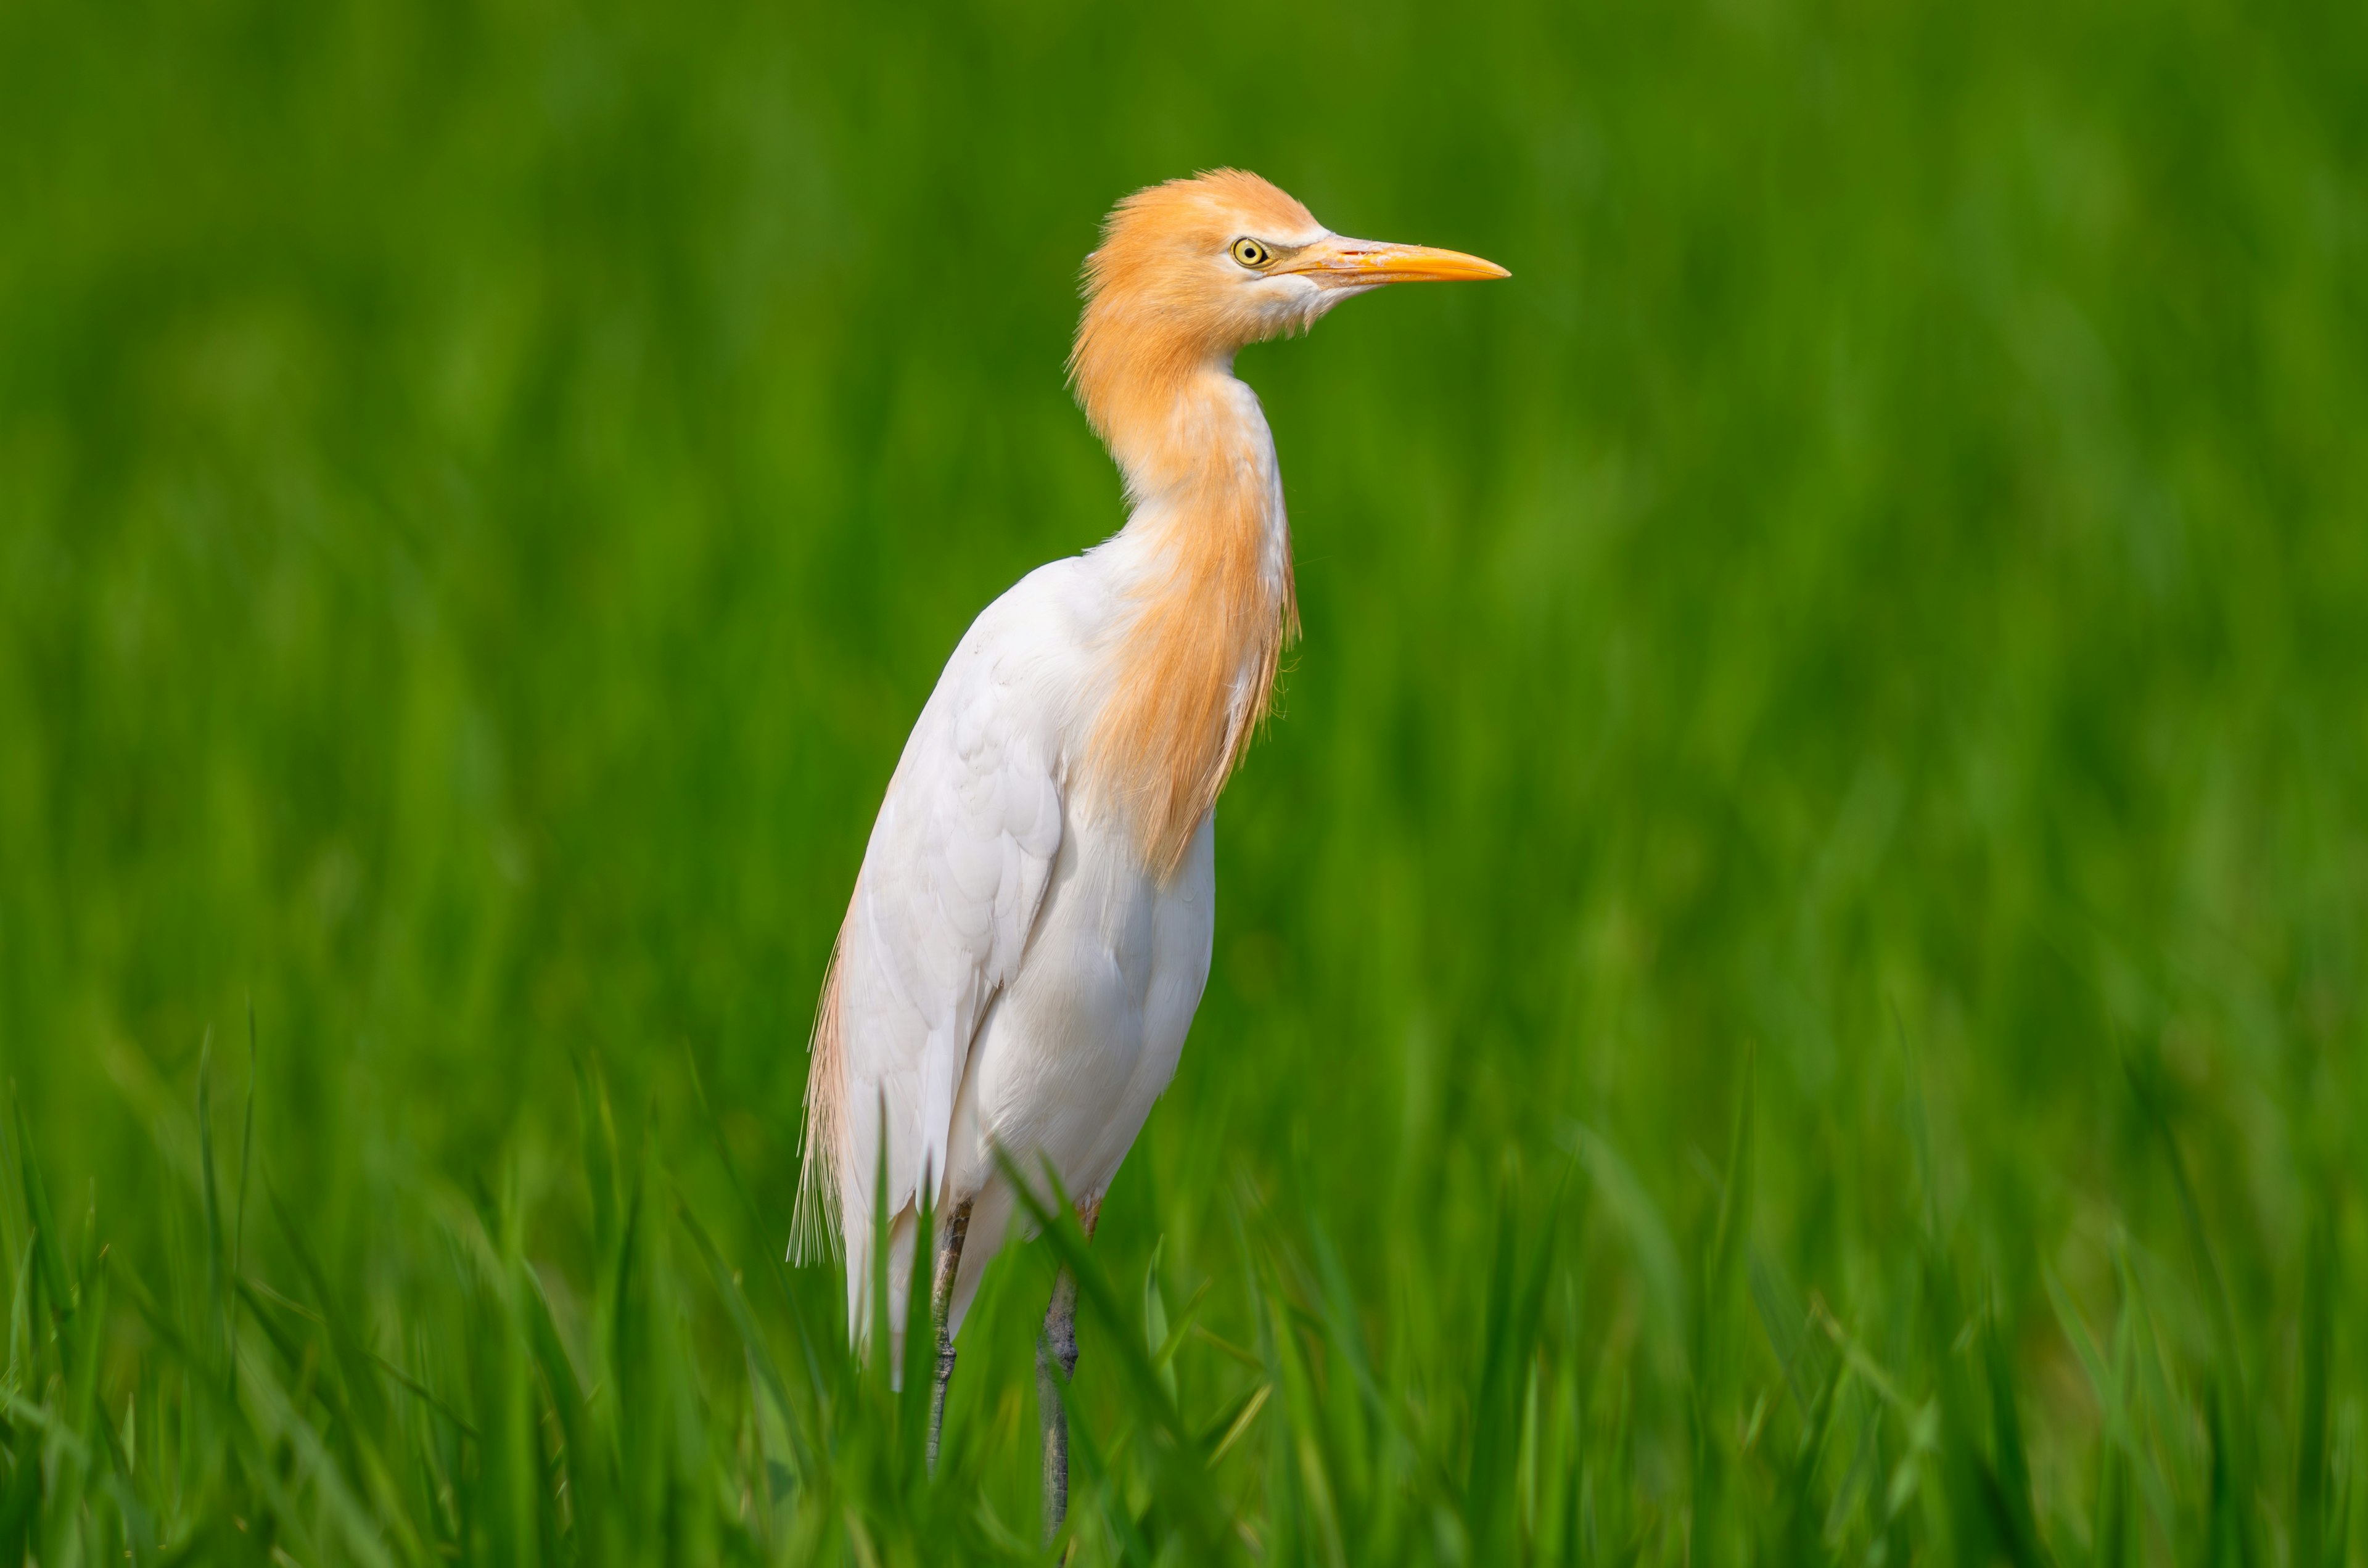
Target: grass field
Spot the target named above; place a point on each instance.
(1789, 986)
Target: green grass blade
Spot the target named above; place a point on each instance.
(2010, 1463)
(48, 1251)
(1177, 1472)
(2312, 1468)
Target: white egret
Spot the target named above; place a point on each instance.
(1030, 928)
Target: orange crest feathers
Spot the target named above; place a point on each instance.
(1154, 311)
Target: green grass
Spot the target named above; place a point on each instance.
(1789, 987)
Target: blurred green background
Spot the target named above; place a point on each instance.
(1789, 984)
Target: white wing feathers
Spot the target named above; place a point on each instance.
(948, 892)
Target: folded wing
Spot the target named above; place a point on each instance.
(951, 885)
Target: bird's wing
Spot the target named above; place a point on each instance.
(951, 885)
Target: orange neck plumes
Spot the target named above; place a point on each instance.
(1206, 557)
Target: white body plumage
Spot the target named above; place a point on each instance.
(1031, 930)
(1015, 972)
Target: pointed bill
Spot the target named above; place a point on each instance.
(1361, 263)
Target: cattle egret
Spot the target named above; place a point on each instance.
(1030, 928)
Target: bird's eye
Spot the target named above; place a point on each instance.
(1251, 254)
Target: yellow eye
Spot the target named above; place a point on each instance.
(1251, 254)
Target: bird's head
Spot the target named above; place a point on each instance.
(1190, 271)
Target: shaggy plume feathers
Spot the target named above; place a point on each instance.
(814, 1223)
(1203, 652)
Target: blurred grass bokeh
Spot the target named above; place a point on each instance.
(1789, 987)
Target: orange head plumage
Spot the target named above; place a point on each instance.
(1187, 273)
(1190, 271)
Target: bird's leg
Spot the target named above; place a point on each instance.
(1058, 1345)
(941, 1312)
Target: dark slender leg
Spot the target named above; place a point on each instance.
(942, 1309)
(1058, 1345)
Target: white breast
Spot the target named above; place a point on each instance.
(1014, 976)
(1011, 973)
(1078, 1049)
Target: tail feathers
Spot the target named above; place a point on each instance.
(817, 1226)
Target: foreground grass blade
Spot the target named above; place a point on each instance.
(1177, 1474)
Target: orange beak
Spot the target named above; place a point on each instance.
(1361, 263)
